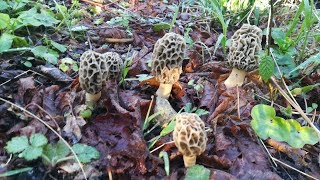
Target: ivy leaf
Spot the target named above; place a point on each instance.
(266, 67)
(266, 124)
(299, 136)
(85, 153)
(197, 172)
(37, 140)
(17, 144)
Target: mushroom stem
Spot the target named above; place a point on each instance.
(164, 90)
(189, 160)
(91, 99)
(235, 78)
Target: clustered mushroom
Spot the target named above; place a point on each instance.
(243, 54)
(167, 58)
(190, 137)
(95, 69)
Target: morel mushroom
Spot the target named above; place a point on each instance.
(243, 54)
(190, 137)
(92, 74)
(167, 58)
(114, 65)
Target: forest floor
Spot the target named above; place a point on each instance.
(51, 91)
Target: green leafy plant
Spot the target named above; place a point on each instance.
(267, 125)
(28, 149)
(266, 67)
(197, 172)
(37, 146)
(67, 63)
(188, 108)
(165, 157)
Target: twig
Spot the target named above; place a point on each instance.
(291, 99)
(54, 131)
(93, 3)
(54, 121)
(115, 40)
(276, 160)
(155, 149)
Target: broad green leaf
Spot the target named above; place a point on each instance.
(67, 61)
(27, 64)
(201, 112)
(197, 172)
(286, 64)
(37, 140)
(5, 42)
(266, 67)
(168, 129)
(311, 62)
(266, 124)
(16, 171)
(56, 151)
(17, 144)
(3, 5)
(19, 41)
(299, 136)
(165, 157)
(86, 113)
(160, 26)
(31, 153)
(63, 67)
(33, 18)
(85, 153)
(304, 89)
(44, 52)
(4, 20)
(60, 47)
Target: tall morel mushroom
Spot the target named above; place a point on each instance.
(167, 58)
(92, 73)
(243, 53)
(190, 137)
(95, 69)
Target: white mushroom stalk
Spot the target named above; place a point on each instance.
(245, 45)
(190, 137)
(167, 58)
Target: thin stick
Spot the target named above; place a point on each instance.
(161, 146)
(238, 101)
(54, 121)
(303, 173)
(115, 40)
(54, 131)
(265, 147)
(291, 99)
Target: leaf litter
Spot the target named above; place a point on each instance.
(115, 127)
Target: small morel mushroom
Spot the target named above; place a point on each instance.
(243, 54)
(92, 74)
(190, 137)
(167, 58)
(114, 65)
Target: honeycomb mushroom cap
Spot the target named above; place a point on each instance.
(189, 134)
(244, 47)
(92, 71)
(167, 58)
(114, 65)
